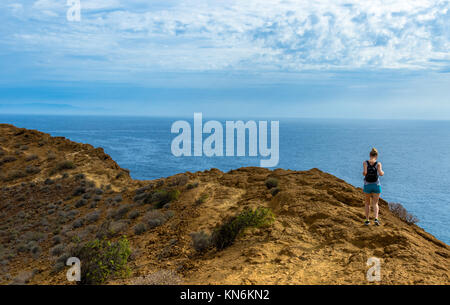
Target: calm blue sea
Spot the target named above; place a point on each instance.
(414, 153)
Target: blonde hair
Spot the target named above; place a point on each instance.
(374, 152)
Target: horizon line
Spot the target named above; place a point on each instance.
(212, 117)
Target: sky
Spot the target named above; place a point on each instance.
(278, 58)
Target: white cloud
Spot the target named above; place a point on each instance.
(100, 4)
(251, 35)
(46, 5)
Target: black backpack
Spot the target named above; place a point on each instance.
(372, 172)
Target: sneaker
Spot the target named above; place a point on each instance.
(377, 222)
(367, 222)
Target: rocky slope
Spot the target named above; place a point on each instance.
(55, 192)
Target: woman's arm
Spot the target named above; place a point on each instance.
(364, 168)
(380, 169)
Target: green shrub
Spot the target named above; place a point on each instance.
(173, 195)
(191, 186)
(203, 197)
(275, 191)
(271, 182)
(225, 234)
(63, 165)
(162, 197)
(101, 259)
(158, 198)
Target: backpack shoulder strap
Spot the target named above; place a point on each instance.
(372, 166)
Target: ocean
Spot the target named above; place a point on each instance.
(413, 153)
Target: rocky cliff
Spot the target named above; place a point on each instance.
(55, 193)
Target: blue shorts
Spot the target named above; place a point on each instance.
(372, 188)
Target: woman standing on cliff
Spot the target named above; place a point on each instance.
(372, 187)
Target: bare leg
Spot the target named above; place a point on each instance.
(367, 201)
(375, 198)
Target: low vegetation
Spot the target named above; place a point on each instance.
(158, 198)
(119, 213)
(31, 157)
(51, 156)
(57, 250)
(191, 186)
(8, 159)
(178, 180)
(162, 197)
(202, 199)
(31, 170)
(201, 241)
(275, 191)
(398, 210)
(102, 259)
(79, 191)
(117, 227)
(157, 218)
(92, 217)
(13, 175)
(225, 234)
(271, 183)
(80, 203)
(139, 228)
(63, 165)
(51, 218)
